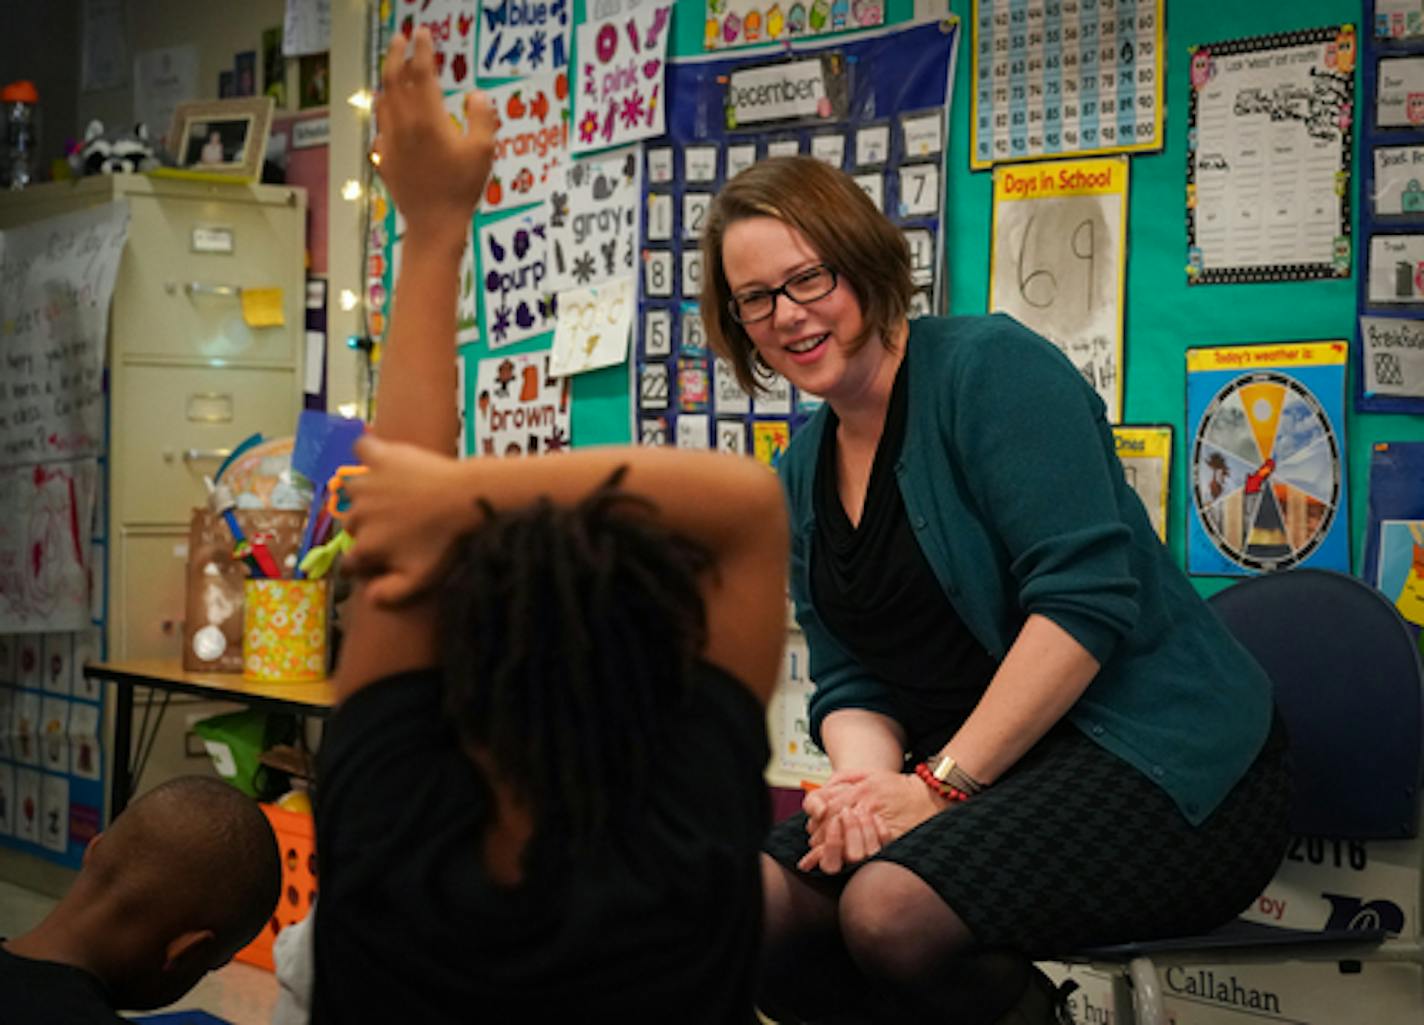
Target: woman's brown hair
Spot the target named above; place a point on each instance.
(842, 225)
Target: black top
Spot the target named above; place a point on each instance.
(878, 596)
(409, 928)
(45, 992)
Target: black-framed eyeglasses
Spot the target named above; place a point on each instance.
(801, 288)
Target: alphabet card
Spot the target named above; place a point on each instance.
(523, 37)
(513, 268)
(593, 220)
(532, 146)
(593, 326)
(519, 408)
(622, 62)
(452, 27)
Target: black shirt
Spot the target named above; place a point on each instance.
(46, 993)
(410, 929)
(878, 596)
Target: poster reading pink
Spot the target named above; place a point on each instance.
(531, 148)
(452, 27)
(519, 409)
(524, 37)
(620, 78)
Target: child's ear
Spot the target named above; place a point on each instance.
(189, 950)
(91, 847)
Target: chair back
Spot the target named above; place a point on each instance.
(1348, 683)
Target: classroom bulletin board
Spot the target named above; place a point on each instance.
(1163, 314)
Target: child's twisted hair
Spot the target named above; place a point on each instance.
(569, 633)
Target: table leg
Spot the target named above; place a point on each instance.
(120, 785)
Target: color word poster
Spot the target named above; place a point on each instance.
(1064, 77)
(877, 109)
(1266, 466)
(1268, 158)
(51, 750)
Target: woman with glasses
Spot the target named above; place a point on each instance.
(1041, 737)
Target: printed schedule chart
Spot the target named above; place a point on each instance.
(1055, 77)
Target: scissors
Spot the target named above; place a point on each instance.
(337, 504)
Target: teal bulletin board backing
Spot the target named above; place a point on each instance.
(1164, 316)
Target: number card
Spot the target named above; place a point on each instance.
(1059, 261)
(1269, 130)
(657, 332)
(1054, 78)
(873, 185)
(919, 190)
(657, 273)
(739, 158)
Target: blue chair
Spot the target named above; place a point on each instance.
(1348, 682)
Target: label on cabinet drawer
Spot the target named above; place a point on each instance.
(213, 240)
(209, 407)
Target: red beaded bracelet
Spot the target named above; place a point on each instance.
(946, 790)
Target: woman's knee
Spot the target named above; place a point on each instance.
(895, 926)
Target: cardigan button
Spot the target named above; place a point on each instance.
(1158, 771)
(1097, 731)
(920, 523)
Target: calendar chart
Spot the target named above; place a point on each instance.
(875, 106)
(1063, 77)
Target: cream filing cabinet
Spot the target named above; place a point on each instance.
(188, 378)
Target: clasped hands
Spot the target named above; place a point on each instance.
(857, 812)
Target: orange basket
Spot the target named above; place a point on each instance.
(296, 842)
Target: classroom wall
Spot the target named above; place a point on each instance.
(1164, 317)
(40, 41)
(218, 28)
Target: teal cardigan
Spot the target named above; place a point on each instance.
(1017, 498)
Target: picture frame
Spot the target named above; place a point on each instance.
(222, 137)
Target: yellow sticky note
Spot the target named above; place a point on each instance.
(262, 307)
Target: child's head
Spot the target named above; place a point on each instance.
(569, 634)
(193, 867)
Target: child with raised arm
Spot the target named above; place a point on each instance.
(541, 793)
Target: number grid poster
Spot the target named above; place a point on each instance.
(1266, 461)
(1056, 78)
(1389, 338)
(1268, 158)
(875, 105)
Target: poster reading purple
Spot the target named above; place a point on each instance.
(523, 37)
(532, 147)
(622, 61)
(514, 270)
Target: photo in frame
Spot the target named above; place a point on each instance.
(225, 137)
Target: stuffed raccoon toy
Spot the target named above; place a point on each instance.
(115, 154)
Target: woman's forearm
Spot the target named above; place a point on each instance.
(858, 739)
(1040, 679)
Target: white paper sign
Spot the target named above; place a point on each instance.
(307, 27)
(1399, 181)
(519, 408)
(593, 220)
(514, 268)
(532, 147)
(45, 516)
(1393, 356)
(162, 80)
(593, 326)
(105, 55)
(620, 81)
(1397, 269)
(1399, 99)
(778, 92)
(56, 280)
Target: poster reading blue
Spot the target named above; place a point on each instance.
(1268, 485)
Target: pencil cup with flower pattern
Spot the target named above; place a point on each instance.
(284, 630)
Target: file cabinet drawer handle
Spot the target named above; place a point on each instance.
(194, 455)
(199, 288)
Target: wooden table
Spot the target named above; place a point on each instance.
(301, 698)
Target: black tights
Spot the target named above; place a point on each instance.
(886, 949)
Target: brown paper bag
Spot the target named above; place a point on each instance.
(212, 624)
